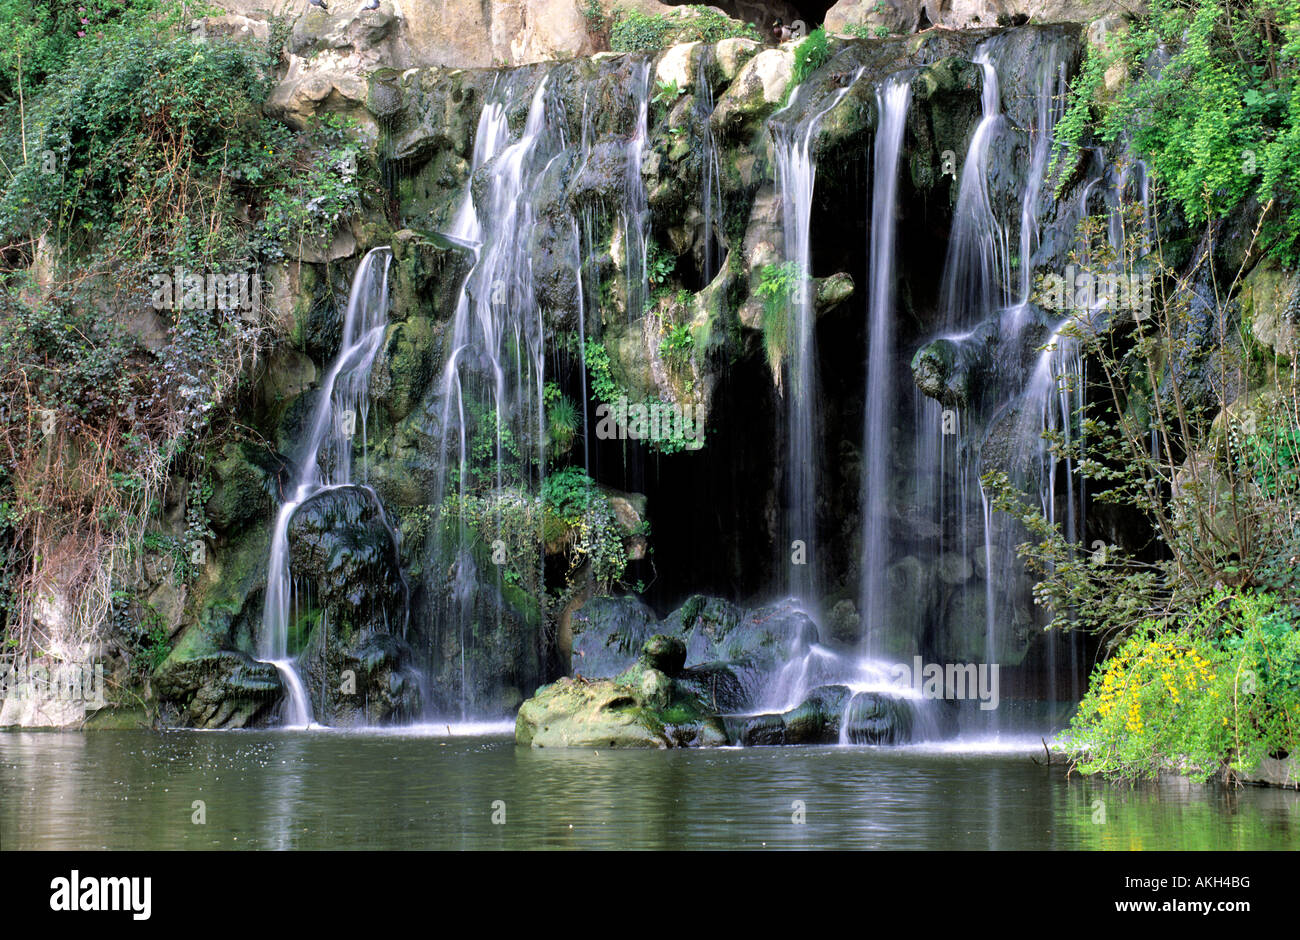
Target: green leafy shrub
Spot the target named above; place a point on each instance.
(37, 39)
(1222, 687)
(606, 390)
(678, 343)
(810, 55)
(579, 513)
(144, 152)
(633, 31)
(1218, 122)
(660, 264)
(562, 423)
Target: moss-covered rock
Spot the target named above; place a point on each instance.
(642, 707)
(1269, 306)
(241, 485)
(667, 654)
(937, 373)
(403, 371)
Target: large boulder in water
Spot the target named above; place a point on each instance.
(732, 653)
(815, 720)
(222, 689)
(877, 718)
(355, 661)
(340, 544)
(642, 707)
(828, 714)
(608, 632)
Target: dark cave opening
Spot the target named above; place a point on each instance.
(762, 13)
(707, 510)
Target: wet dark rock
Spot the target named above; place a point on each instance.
(372, 681)
(871, 717)
(608, 633)
(665, 653)
(716, 685)
(876, 718)
(341, 545)
(224, 689)
(355, 662)
(243, 477)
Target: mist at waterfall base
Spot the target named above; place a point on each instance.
(498, 354)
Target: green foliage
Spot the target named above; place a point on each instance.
(678, 343)
(493, 451)
(1189, 614)
(633, 31)
(1220, 687)
(158, 648)
(1219, 122)
(1271, 457)
(572, 499)
(599, 370)
(569, 493)
(660, 264)
(142, 152)
(507, 527)
(810, 55)
(307, 196)
(198, 528)
(37, 39)
(597, 21)
(562, 423)
(778, 284)
(605, 389)
(780, 280)
(666, 92)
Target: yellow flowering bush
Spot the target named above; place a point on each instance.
(1222, 687)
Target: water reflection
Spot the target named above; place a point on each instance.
(282, 790)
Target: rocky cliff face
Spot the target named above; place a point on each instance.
(627, 210)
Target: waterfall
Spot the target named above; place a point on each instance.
(1053, 397)
(976, 270)
(495, 359)
(796, 175)
(893, 99)
(710, 169)
(326, 458)
(636, 208)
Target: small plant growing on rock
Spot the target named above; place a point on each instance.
(777, 286)
(809, 56)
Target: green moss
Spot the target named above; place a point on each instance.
(634, 31)
(128, 718)
(218, 603)
(809, 56)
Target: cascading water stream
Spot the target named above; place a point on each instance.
(710, 168)
(893, 99)
(1053, 398)
(326, 458)
(496, 351)
(636, 207)
(976, 270)
(796, 175)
